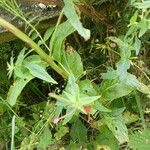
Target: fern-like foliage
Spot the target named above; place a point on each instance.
(140, 140)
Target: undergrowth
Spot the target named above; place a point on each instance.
(83, 84)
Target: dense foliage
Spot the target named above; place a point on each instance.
(83, 84)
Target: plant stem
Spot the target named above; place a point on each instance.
(18, 33)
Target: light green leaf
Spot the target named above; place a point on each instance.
(110, 74)
(72, 16)
(45, 138)
(140, 140)
(86, 100)
(137, 45)
(134, 18)
(71, 61)
(129, 117)
(39, 72)
(78, 132)
(48, 33)
(113, 89)
(69, 114)
(98, 106)
(132, 81)
(87, 88)
(143, 5)
(16, 89)
(116, 124)
(64, 30)
(144, 26)
(105, 137)
(61, 132)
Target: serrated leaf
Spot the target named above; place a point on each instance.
(72, 16)
(40, 72)
(45, 138)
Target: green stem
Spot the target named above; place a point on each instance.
(18, 33)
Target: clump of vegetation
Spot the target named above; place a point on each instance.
(83, 84)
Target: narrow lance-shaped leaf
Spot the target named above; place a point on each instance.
(40, 72)
(72, 16)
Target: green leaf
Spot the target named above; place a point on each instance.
(69, 114)
(143, 5)
(122, 66)
(129, 117)
(78, 132)
(98, 106)
(45, 138)
(110, 74)
(140, 140)
(48, 33)
(137, 45)
(71, 61)
(116, 124)
(86, 100)
(132, 81)
(113, 89)
(64, 30)
(72, 16)
(105, 137)
(134, 18)
(144, 26)
(125, 48)
(40, 72)
(16, 89)
(87, 88)
(61, 132)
